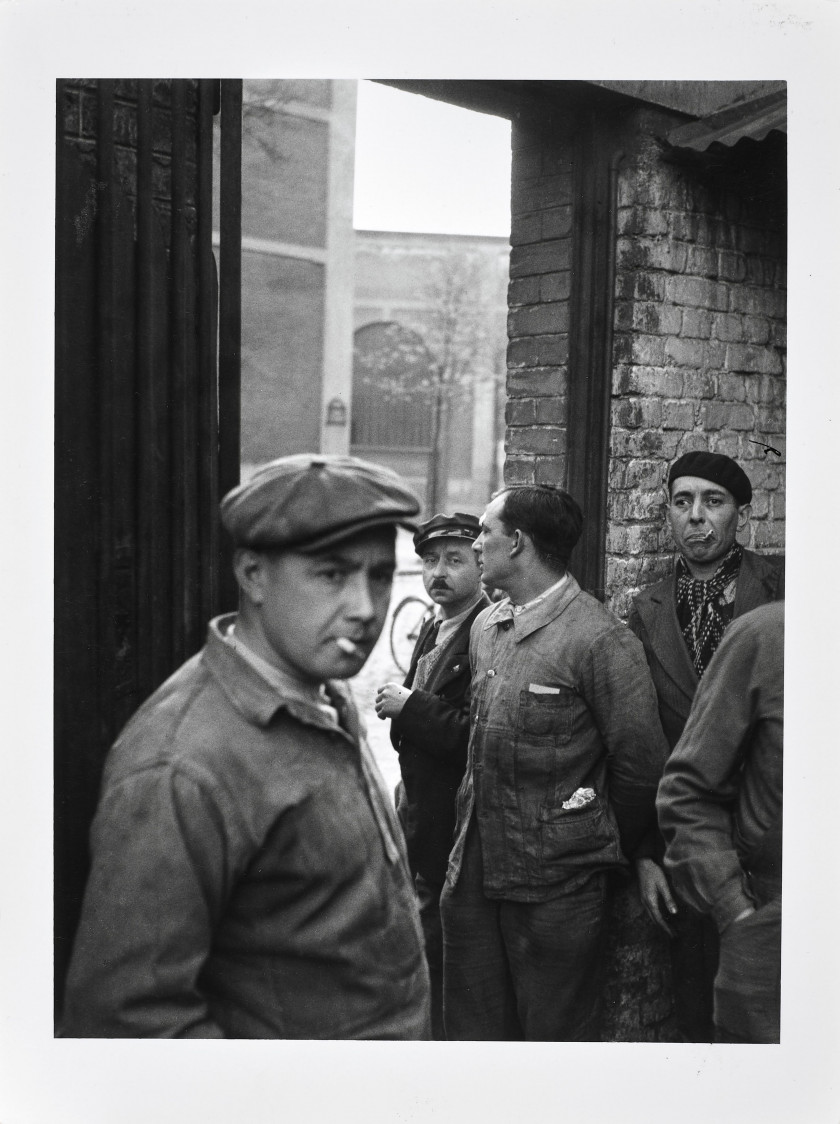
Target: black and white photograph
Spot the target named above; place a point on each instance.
(409, 557)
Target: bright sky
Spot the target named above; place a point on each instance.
(423, 165)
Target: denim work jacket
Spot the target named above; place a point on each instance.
(562, 700)
(248, 876)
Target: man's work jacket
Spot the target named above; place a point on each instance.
(562, 701)
(431, 734)
(249, 878)
(654, 620)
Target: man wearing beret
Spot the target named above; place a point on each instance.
(564, 757)
(249, 878)
(681, 622)
(430, 720)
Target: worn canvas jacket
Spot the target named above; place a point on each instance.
(561, 700)
(248, 876)
(654, 621)
(720, 800)
(431, 734)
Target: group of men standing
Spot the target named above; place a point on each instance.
(250, 877)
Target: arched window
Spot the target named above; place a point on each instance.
(392, 389)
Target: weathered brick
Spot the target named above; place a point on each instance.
(662, 381)
(539, 319)
(616, 474)
(770, 533)
(555, 286)
(696, 323)
(760, 505)
(551, 470)
(650, 253)
(697, 292)
(535, 382)
(641, 286)
(758, 302)
(536, 439)
(551, 411)
(745, 357)
(89, 114)
(683, 226)
(643, 443)
(732, 388)
(525, 228)
(770, 419)
(777, 505)
(692, 442)
(641, 220)
(557, 222)
(766, 475)
(778, 334)
(678, 415)
(756, 329)
(732, 267)
(726, 443)
(538, 351)
(543, 257)
(520, 411)
(728, 326)
(726, 415)
(631, 413)
(701, 261)
(645, 474)
(519, 470)
(72, 109)
(525, 290)
(649, 351)
(686, 352)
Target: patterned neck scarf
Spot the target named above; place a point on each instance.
(704, 609)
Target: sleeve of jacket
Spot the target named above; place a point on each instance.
(650, 844)
(441, 727)
(161, 871)
(700, 782)
(619, 692)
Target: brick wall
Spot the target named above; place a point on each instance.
(699, 350)
(699, 332)
(538, 300)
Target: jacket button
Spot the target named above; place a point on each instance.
(491, 673)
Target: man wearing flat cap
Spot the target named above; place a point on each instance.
(681, 622)
(430, 720)
(249, 878)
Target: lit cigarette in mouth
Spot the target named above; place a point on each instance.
(348, 647)
(708, 535)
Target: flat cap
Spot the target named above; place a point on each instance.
(716, 467)
(456, 526)
(309, 501)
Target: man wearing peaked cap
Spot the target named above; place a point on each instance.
(249, 876)
(681, 621)
(430, 725)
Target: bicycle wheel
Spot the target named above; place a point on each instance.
(409, 617)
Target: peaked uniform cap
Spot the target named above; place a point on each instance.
(456, 526)
(309, 501)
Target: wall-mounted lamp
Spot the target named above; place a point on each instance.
(336, 412)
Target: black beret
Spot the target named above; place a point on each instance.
(308, 501)
(716, 467)
(457, 526)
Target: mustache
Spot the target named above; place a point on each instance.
(439, 584)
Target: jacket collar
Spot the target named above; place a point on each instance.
(535, 616)
(256, 699)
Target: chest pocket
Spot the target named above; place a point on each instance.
(547, 717)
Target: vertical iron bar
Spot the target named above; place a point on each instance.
(230, 309)
(208, 443)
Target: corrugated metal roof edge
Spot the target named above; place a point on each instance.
(753, 119)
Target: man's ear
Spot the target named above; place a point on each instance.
(744, 514)
(249, 567)
(518, 541)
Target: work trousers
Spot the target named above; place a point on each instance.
(748, 981)
(520, 970)
(428, 899)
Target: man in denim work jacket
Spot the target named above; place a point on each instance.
(249, 878)
(565, 753)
